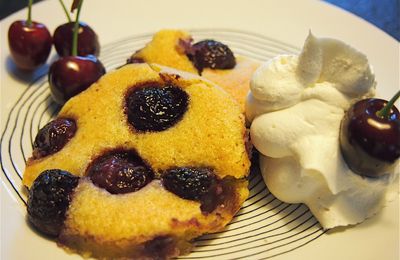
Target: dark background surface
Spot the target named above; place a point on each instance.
(382, 13)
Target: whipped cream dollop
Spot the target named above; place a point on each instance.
(295, 107)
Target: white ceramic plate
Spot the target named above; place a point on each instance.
(265, 228)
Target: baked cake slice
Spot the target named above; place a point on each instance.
(139, 164)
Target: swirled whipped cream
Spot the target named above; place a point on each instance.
(295, 107)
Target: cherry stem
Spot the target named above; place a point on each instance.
(76, 28)
(385, 111)
(29, 20)
(65, 10)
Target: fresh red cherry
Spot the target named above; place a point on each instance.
(370, 137)
(29, 43)
(88, 42)
(70, 75)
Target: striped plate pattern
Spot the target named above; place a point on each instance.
(264, 228)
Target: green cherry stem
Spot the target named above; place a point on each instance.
(385, 111)
(29, 20)
(65, 10)
(76, 28)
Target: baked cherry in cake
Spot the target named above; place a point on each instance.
(49, 199)
(154, 164)
(210, 54)
(120, 172)
(154, 108)
(53, 136)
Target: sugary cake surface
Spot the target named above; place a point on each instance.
(166, 48)
(210, 134)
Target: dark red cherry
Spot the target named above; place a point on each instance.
(155, 107)
(211, 54)
(53, 137)
(29, 45)
(194, 183)
(189, 183)
(49, 198)
(70, 75)
(370, 143)
(120, 172)
(88, 42)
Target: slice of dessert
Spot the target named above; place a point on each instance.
(139, 164)
(211, 59)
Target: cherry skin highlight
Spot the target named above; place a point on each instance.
(70, 75)
(370, 144)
